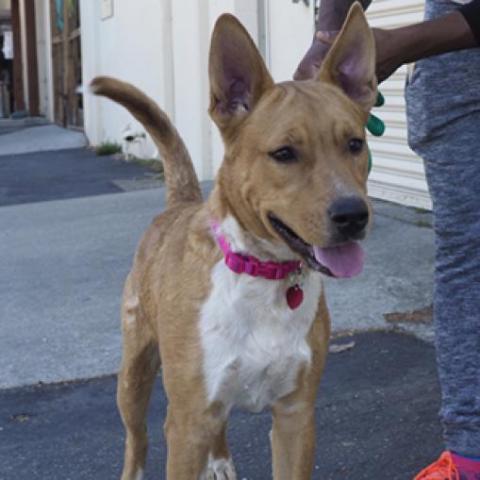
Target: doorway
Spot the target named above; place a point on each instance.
(67, 63)
(6, 59)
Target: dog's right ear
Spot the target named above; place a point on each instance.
(238, 75)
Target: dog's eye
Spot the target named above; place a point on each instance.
(355, 145)
(284, 155)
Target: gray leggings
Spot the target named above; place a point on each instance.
(443, 106)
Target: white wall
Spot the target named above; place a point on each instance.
(192, 24)
(132, 46)
(190, 36)
(162, 47)
(289, 31)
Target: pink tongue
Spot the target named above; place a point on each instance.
(345, 261)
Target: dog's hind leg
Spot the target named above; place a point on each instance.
(140, 364)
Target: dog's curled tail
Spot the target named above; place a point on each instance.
(180, 178)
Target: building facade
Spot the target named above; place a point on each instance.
(161, 46)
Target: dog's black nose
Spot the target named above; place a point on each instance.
(349, 216)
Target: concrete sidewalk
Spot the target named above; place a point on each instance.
(38, 139)
(11, 125)
(64, 263)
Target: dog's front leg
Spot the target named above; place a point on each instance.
(293, 440)
(192, 439)
(187, 449)
(293, 429)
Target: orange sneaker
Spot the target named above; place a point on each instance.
(442, 469)
(447, 468)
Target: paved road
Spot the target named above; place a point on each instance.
(60, 175)
(63, 263)
(377, 420)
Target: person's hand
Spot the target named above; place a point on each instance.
(387, 47)
(313, 59)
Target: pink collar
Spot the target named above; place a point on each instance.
(240, 263)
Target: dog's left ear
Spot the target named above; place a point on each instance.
(350, 63)
(238, 75)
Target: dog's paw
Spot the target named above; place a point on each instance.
(219, 469)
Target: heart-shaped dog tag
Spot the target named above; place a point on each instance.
(294, 297)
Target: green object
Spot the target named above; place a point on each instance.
(380, 100)
(375, 126)
(108, 148)
(59, 15)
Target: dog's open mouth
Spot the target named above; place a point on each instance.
(342, 261)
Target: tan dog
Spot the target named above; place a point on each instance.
(291, 189)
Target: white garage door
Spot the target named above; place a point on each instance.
(397, 174)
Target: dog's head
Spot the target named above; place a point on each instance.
(296, 160)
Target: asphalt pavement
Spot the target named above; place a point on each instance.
(64, 263)
(376, 420)
(64, 174)
(70, 223)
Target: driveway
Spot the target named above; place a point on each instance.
(64, 174)
(376, 417)
(70, 223)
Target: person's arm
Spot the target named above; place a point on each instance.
(408, 44)
(455, 31)
(332, 13)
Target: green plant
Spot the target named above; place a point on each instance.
(108, 148)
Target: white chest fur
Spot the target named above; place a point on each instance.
(253, 344)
